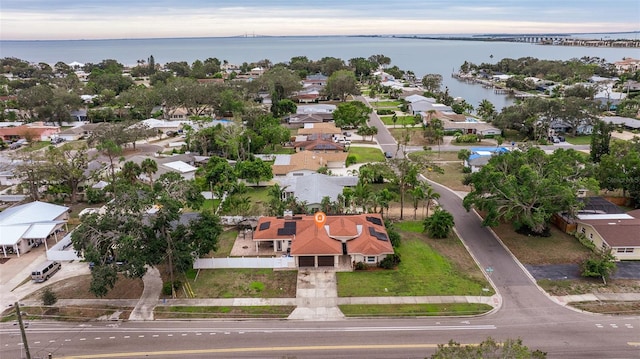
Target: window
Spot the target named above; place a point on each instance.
(371, 259)
(624, 250)
(582, 230)
(591, 235)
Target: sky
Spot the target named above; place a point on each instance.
(116, 19)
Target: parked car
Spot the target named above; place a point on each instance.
(388, 155)
(45, 271)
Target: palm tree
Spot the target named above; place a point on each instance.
(417, 195)
(384, 198)
(362, 195)
(439, 224)
(430, 195)
(149, 167)
(277, 199)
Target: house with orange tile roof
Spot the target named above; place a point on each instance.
(306, 162)
(36, 131)
(340, 242)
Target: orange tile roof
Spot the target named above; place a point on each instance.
(309, 239)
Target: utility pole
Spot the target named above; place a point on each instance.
(24, 334)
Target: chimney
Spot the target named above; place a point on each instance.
(288, 214)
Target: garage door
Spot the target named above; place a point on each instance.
(306, 261)
(325, 261)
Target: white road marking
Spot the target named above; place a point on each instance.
(67, 340)
(599, 325)
(198, 333)
(184, 334)
(52, 341)
(127, 337)
(81, 339)
(33, 342)
(140, 336)
(155, 335)
(169, 335)
(613, 326)
(227, 333)
(240, 332)
(112, 337)
(629, 326)
(97, 338)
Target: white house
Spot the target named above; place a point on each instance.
(29, 225)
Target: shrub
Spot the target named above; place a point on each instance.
(49, 297)
(469, 138)
(360, 266)
(585, 241)
(95, 195)
(439, 224)
(351, 159)
(166, 287)
(385, 111)
(466, 169)
(390, 261)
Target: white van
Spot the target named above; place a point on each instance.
(45, 271)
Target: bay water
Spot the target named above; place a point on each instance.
(421, 56)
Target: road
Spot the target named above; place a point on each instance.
(589, 337)
(526, 312)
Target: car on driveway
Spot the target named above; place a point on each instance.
(388, 155)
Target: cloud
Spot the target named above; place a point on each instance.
(73, 19)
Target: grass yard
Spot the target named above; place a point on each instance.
(242, 283)
(578, 140)
(70, 313)
(559, 248)
(225, 244)
(428, 267)
(366, 154)
(385, 104)
(416, 136)
(401, 121)
(78, 288)
(414, 310)
(609, 307)
(188, 312)
(589, 285)
(452, 176)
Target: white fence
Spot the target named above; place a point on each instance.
(63, 251)
(244, 262)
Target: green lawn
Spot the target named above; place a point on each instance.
(366, 154)
(423, 271)
(383, 104)
(401, 120)
(414, 310)
(578, 140)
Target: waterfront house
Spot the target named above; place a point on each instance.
(338, 243)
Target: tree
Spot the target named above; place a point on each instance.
(464, 155)
(217, 175)
(600, 265)
(283, 107)
(486, 110)
(432, 82)
(366, 131)
(149, 167)
(277, 203)
(510, 349)
(112, 151)
(394, 118)
(384, 199)
(351, 114)
(49, 297)
(527, 187)
(430, 195)
(600, 139)
(130, 172)
(417, 195)
(620, 168)
(68, 164)
(254, 170)
(439, 224)
(341, 84)
(126, 237)
(434, 132)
